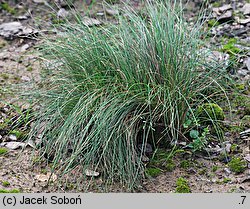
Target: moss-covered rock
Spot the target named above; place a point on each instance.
(210, 111)
(182, 186)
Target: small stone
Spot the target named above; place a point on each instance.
(246, 9)
(225, 7)
(12, 137)
(112, 12)
(244, 21)
(91, 173)
(1, 137)
(24, 47)
(247, 62)
(87, 21)
(247, 157)
(9, 29)
(62, 13)
(228, 148)
(13, 145)
(242, 72)
(39, 1)
(227, 171)
(22, 17)
(226, 16)
(25, 78)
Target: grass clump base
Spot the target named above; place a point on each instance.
(114, 89)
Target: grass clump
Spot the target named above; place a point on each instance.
(182, 186)
(116, 85)
(237, 165)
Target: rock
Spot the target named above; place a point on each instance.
(112, 12)
(39, 1)
(244, 21)
(246, 9)
(247, 62)
(242, 72)
(10, 29)
(247, 157)
(22, 17)
(14, 29)
(226, 16)
(87, 21)
(13, 145)
(245, 133)
(1, 137)
(225, 8)
(45, 178)
(227, 171)
(12, 137)
(91, 173)
(228, 148)
(25, 78)
(62, 13)
(24, 47)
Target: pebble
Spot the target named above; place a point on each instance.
(247, 62)
(87, 21)
(63, 13)
(12, 137)
(242, 72)
(226, 16)
(112, 12)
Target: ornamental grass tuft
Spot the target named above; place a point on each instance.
(117, 87)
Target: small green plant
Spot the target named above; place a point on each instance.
(6, 183)
(17, 133)
(153, 172)
(226, 180)
(212, 23)
(215, 168)
(170, 165)
(3, 150)
(185, 164)
(237, 165)
(182, 186)
(5, 6)
(230, 47)
(199, 141)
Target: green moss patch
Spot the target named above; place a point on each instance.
(5, 6)
(153, 172)
(9, 191)
(237, 165)
(182, 186)
(3, 150)
(210, 111)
